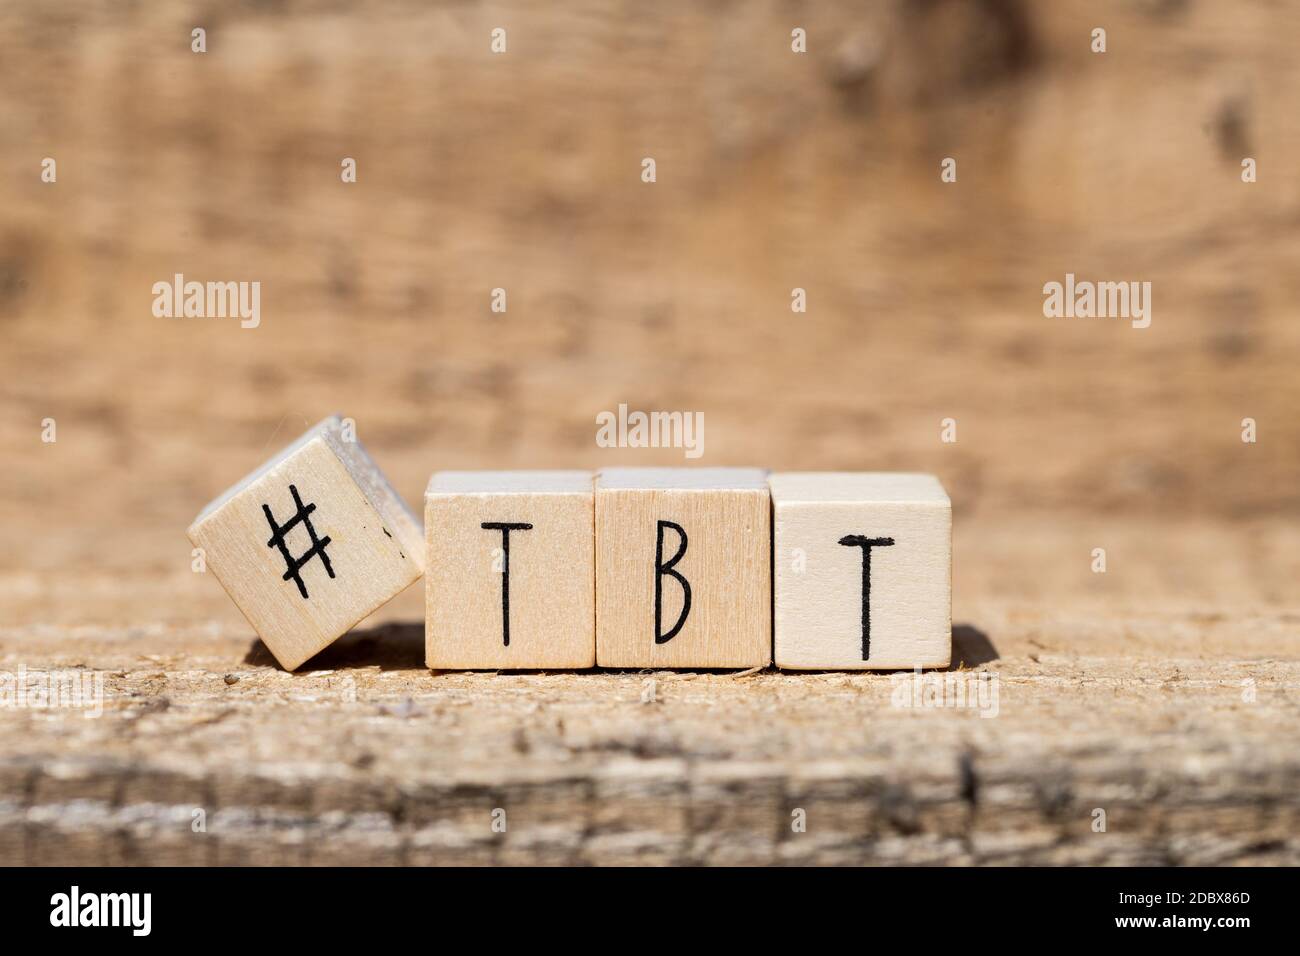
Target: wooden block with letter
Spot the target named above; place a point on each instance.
(863, 571)
(311, 542)
(683, 567)
(510, 579)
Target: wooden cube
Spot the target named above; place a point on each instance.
(311, 542)
(683, 568)
(510, 579)
(863, 568)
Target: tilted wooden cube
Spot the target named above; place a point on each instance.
(683, 568)
(510, 580)
(863, 571)
(311, 542)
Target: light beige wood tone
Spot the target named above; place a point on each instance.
(711, 770)
(725, 513)
(547, 572)
(818, 592)
(374, 549)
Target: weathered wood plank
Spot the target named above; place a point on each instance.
(365, 756)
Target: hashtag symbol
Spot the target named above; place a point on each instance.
(294, 565)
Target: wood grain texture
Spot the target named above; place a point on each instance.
(367, 758)
(550, 565)
(359, 558)
(725, 515)
(818, 586)
(1163, 691)
(1122, 690)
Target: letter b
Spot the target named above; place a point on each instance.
(660, 570)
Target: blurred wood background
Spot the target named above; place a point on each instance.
(775, 171)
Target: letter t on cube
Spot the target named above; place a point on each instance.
(863, 571)
(511, 577)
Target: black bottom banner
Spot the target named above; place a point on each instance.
(333, 906)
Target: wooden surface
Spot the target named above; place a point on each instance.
(1120, 690)
(1120, 701)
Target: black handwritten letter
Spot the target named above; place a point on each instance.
(505, 528)
(866, 544)
(660, 570)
